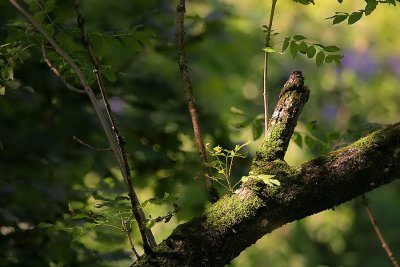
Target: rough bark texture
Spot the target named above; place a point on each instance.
(238, 220)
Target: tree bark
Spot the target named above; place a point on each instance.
(238, 220)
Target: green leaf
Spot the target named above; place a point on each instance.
(328, 59)
(49, 5)
(236, 110)
(331, 48)
(310, 142)
(7, 73)
(311, 51)
(299, 37)
(39, 17)
(50, 29)
(45, 225)
(335, 58)
(294, 48)
(269, 50)
(370, 7)
(297, 139)
(320, 58)
(339, 18)
(243, 124)
(303, 47)
(256, 129)
(158, 201)
(2, 90)
(285, 44)
(355, 16)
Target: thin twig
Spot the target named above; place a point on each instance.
(127, 230)
(89, 146)
(267, 43)
(147, 235)
(103, 121)
(378, 232)
(58, 74)
(180, 36)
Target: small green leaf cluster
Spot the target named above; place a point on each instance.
(110, 213)
(323, 54)
(357, 15)
(266, 178)
(10, 54)
(255, 121)
(314, 143)
(222, 163)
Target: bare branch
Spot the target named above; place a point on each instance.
(58, 74)
(265, 77)
(378, 232)
(147, 235)
(127, 230)
(180, 36)
(79, 141)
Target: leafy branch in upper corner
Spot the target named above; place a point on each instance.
(298, 44)
(355, 16)
(222, 163)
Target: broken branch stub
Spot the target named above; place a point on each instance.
(292, 99)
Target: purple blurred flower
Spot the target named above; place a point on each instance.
(360, 62)
(394, 65)
(116, 104)
(329, 111)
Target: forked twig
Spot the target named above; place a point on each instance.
(79, 141)
(180, 36)
(127, 230)
(58, 74)
(378, 232)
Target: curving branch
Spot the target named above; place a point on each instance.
(58, 74)
(237, 221)
(147, 235)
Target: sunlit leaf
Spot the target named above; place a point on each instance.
(299, 37)
(331, 48)
(311, 51)
(285, 44)
(294, 48)
(269, 50)
(355, 16)
(320, 58)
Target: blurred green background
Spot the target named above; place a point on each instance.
(46, 177)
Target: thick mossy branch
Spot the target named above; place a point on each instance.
(291, 102)
(237, 221)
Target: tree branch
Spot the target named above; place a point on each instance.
(114, 142)
(291, 101)
(180, 36)
(58, 74)
(265, 76)
(379, 234)
(147, 235)
(238, 220)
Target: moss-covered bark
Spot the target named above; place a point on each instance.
(237, 221)
(292, 99)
